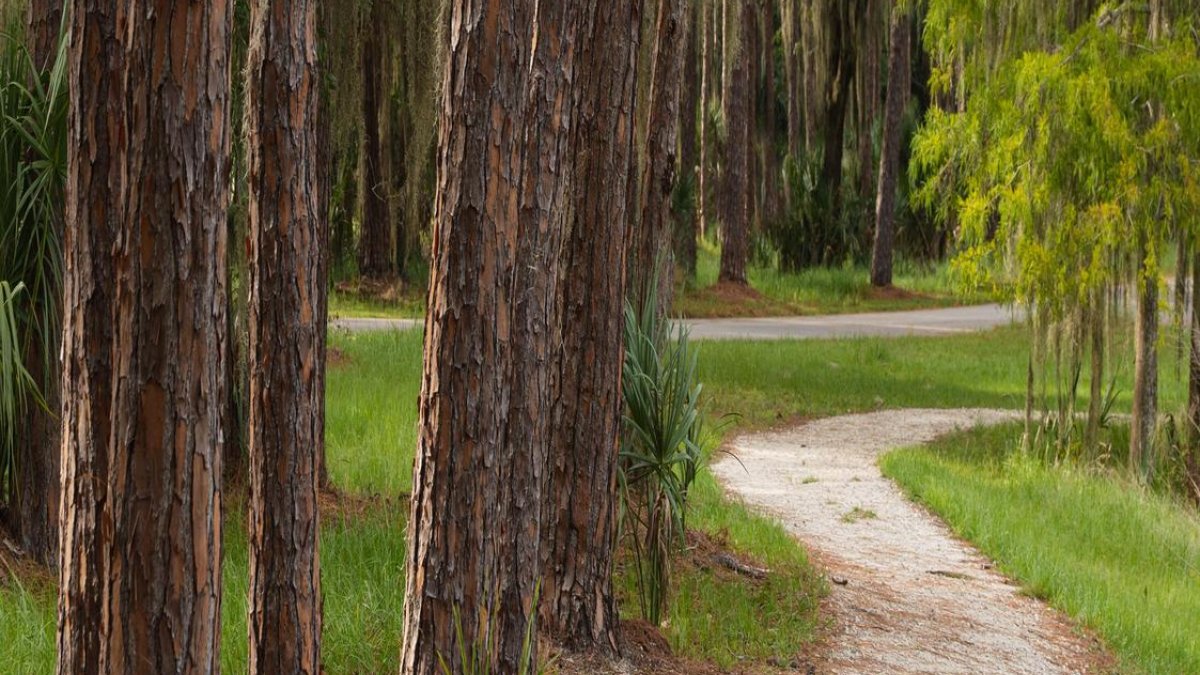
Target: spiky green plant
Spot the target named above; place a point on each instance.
(661, 449)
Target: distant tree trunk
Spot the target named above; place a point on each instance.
(1145, 385)
(753, 48)
(735, 224)
(813, 85)
(375, 252)
(1096, 391)
(578, 607)
(156, 545)
(868, 44)
(840, 78)
(42, 25)
(889, 159)
(706, 34)
(792, 15)
(92, 219)
(654, 235)
(770, 157)
(491, 334)
(287, 331)
(1194, 370)
(686, 230)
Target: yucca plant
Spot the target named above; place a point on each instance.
(661, 448)
(33, 164)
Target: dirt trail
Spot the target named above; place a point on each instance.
(915, 598)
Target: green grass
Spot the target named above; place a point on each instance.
(352, 305)
(817, 291)
(1120, 560)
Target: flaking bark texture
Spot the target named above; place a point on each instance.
(162, 583)
(92, 218)
(375, 252)
(43, 21)
(287, 347)
(735, 225)
(491, 334)
(653, 237)
(889, 160)
(578, 608)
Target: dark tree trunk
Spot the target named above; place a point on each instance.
(578, 607)
(653, 237)
(706, 32)
(792, 15)
(868, 44)
(43, 22)
(161, 600)
(1145, 384)
(92, 219)
(840, 78)
(735, 224)
(375, 252)
(491, 333)
(889, 160)
(287, 331)
(686, 230)
(770, 157)
(812, 85)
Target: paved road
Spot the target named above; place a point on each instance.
(887, 324)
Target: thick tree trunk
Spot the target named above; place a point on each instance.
(578, 607)
(92, 219)
(653, 237)
(735, 226)
(287, 347)
(889, 160)
(162, 586)
(1145, 385)
(375, 235)
(491, 334)
(43, 22)
(686, 230)
(840, 78)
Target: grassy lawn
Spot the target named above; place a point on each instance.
(410, 305)
(717, 616)
(818, 291)
(1120, 560)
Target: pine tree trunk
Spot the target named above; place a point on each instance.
(792, 14)
(868, 45)
(43, 22)
(770, 157)
(735, 224)
(706, 31)
(92, 220)
(686, 230)
(160, 542)
(491, 334)
(813, 85)
(889, 161)
(654, 234)
(1145, 385)
(287, 347)
(840, 78)
(578, 607)
(375, 237)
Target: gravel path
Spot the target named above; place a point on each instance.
(915, 598)
(948, 321)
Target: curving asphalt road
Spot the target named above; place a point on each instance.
(926, 322)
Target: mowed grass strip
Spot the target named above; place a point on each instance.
(1117, 558)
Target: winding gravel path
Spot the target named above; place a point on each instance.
(915, 598)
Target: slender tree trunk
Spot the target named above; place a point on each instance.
(792, 14)
(840, 78)
(578, 607)
(1145, 385)
(869, 44)
(43, 22)
(155, 549)
(735, 224)
(770, 156)
(375, 237)
(687, 230)
(706, 33)
(92, 219)
(654, 234)
(1096, 391)
(491, 334)
(287, 348)
(813, 85)
(889, 160)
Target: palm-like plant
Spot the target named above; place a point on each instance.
(661, 449)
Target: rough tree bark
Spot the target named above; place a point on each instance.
(375, 253)
(162, 581)
(43, 21)
(840, 77)
(92, 218)
(735, 226)
(653, 236)
(490, 333)
(578, 607)
(899, 69)
(687, 231)
(287, 347)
